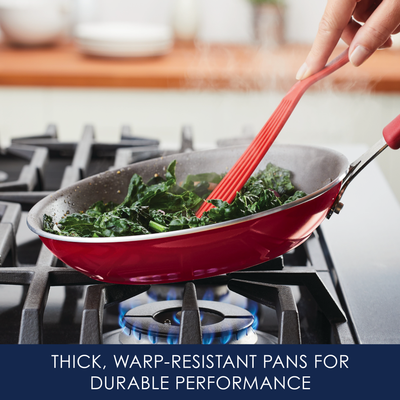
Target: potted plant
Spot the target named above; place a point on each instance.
(268, 22)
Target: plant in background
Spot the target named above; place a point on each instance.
(268, 22)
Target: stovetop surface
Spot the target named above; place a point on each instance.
(364, 245)
(353, 256)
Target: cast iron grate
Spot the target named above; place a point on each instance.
(23, 190)
(269, 284)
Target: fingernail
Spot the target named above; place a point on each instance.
(359, 55)
(302, 72)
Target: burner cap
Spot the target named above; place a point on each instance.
(159, 323)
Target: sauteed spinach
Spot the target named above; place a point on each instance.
(161, 205)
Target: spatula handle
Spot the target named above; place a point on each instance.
(335, 64)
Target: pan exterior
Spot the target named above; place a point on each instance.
(199, 252)
(198, 255)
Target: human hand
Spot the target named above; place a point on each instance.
(365, 25)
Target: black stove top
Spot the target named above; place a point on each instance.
(295, 299)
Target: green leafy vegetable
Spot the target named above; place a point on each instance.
(163, 206)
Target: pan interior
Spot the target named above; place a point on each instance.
(312, 168)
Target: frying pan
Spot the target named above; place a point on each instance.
(211, 250)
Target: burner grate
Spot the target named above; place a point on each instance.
(20, 194)
(52, 164)
(271, 284)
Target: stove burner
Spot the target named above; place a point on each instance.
(159, 323)
(208, 291)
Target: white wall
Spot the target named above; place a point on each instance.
(337, 119)
(302, 19)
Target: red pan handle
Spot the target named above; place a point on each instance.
(391, 133)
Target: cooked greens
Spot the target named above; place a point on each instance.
(161, 205)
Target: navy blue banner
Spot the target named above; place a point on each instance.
(281, 372)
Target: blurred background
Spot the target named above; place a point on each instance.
(51, 51)
(223, 21)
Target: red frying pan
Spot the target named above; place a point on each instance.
(210, 250)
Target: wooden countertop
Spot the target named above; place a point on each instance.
(204, 67)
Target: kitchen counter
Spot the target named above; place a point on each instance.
(202, 66)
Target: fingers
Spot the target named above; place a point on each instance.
(381, 18)
(350, 31)
(376, 32)
(336, 17)
(365, 8)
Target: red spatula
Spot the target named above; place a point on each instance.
(248, 162)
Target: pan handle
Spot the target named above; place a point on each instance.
(391, 138)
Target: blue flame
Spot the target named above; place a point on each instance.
(252, 307)
(172, 339)
(136, 333)
(225, 337)
(176, 319)
(126, 331)
(208, 338)
(172, 295)
(255, 323)
(209, 295)
(153, 337)
(121, 320)
(129, 304)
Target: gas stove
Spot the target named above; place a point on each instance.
(303, 297)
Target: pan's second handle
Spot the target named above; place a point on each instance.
(391, 133)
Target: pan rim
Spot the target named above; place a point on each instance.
(184, 232)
